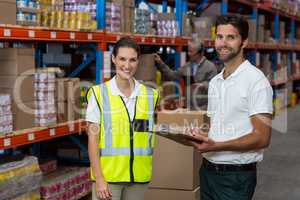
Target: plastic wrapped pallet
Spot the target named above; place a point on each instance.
(5, 114)
(142, 21)
(48, 166)
(19, 178)
(66, 183)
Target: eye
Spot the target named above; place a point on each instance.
(122, 59)
(230, 37)
(133, 60)
(219, 37)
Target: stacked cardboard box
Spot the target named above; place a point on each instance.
(8, 11)
(44, 99)
(178, 179)
(261, 28)
(127, 14)
(5, 114)
(16, 79)
(67, 98)
(66, 183)
(20, 178)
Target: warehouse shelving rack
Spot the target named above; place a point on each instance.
(101, 38)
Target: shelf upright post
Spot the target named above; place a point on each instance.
(99, 62)
(164, 6)
(276, 54)
(100, 14)
(252, 52)
(224, 7)
(184, 6)
(178, 6)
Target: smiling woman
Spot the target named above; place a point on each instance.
(120, 115)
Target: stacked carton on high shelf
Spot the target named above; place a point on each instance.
(17, 80)
(175, 166)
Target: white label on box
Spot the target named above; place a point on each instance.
(52, 132)
(173, 41)
(7, 33)
(163, 41)
(31, 136)
(72, 36)
(143, 39)
(71, 127)
(90, 36)
(153, 40)
(53, 35)
(31, 34)
(7, 142)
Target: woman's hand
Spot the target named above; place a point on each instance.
(102, 190)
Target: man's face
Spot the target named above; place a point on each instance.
(193, 51)
(228, 43)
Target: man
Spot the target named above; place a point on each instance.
(196, 74)
(240, 108)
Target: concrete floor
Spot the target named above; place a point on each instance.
(279, 173)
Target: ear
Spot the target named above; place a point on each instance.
(245, 43)
(113, 58)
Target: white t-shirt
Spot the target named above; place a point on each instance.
(93, 111)
(231, 103)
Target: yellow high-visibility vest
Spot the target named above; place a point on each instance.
(125, 146)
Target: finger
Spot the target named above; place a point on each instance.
(201, 138)
(110, 192)
(107, 195)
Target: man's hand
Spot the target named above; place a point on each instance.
(203, 143)
(102, 190)
(158, 59)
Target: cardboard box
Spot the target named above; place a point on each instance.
(21, 88)
(61, 88)
(128, 18)
(17, 61)
(67, 111)
(8, 10)
(73, 89)
(252, 30)
(23, 115)
(146, 70)
(182, 170)
(161, 194)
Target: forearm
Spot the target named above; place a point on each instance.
(94, 155)
(252, 141)
(168, 72)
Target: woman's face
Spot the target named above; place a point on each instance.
(126, 62)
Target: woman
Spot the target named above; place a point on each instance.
(120, 115)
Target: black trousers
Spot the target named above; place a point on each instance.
(226, 185)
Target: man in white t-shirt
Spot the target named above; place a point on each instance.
(240, 108)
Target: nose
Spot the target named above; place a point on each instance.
(127, 64)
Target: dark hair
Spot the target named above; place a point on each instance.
(237, 21)
(126, 42)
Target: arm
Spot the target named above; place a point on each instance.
(166, 70)
(93, 139)
(259, 138)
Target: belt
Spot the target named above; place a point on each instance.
(228, 167)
